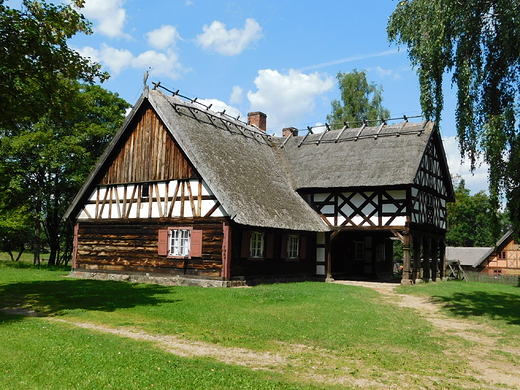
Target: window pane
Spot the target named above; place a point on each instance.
(293, 246)
(256, 245)
(180, 242)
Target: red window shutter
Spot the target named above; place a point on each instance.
(303, 247)
(283, 253)
(196, 243)
(244, 251)
(162, 245)
(269, 247)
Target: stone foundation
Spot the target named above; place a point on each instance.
(166, 280)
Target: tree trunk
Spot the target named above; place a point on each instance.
(37, 242)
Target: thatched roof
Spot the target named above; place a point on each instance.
(256, 177)
(375, 156)
(239, 164)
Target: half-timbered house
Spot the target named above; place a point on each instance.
(502, 259)
(187, 195)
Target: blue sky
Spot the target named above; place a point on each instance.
(276, 56)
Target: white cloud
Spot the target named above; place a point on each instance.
(286, 99)
(163, 38)
(114, 59)
(219, 106)
(476, 181)
(230, 42)
(237, 95)
(162, 64)
(385, 73)
(110, 15)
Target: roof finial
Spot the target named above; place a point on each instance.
(145, 80)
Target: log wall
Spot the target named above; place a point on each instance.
(132, 246)
(273, 265)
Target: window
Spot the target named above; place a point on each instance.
(502, 255)
(359, 250)
(145, 190)
(180, 242)
(256, 245)
(293, 246)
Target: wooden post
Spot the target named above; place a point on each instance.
(226, 251)
(416, 258)
(426, 259)
(328, 249)
(442, 257)
(435, 258)
(75, 246)
(406, 279)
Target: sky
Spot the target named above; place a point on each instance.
(280, 57)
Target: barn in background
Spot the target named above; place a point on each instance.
(184, 195)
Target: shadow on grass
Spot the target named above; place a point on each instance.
(497, 306)
(50, 298)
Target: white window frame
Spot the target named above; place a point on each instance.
(256, 245)
(293, 246)
(179, 242)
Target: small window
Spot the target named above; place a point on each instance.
(145, 193)
(293, 246)
(180, 242)
(502, 255)
(256, 245)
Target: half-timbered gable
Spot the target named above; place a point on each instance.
(432, 188)
(188, 192)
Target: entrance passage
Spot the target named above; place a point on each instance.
(361, 256)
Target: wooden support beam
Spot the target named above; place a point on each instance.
(427, 259)
(442, 258)
(406, 278)
(416, 258)
(199, 199)
(435, 259)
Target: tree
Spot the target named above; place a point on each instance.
(34, 56)
(360, 100)
(43, 165)
(478, 41)
(469, 222)
(15, 231)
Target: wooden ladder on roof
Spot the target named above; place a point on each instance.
(455, 271)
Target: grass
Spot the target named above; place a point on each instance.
(491, 304)
(333, 331)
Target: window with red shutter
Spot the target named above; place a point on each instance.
(180, 242)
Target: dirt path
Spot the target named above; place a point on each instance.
(484, 355)
(488, 361)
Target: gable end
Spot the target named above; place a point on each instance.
(147, 153)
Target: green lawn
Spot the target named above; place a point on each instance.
(345, 331)
(492, 304)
